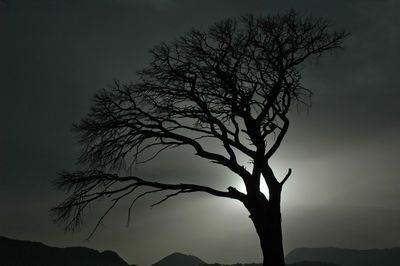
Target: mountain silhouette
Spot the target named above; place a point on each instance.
(347, 257)
(26, 253)
(312, 263)
(303, 263)
(179, 259)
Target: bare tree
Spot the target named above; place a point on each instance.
(234, 83)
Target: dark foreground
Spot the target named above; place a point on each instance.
(27, 253)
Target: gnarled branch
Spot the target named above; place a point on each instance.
(90, 186)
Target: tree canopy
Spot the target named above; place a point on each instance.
(234, 83)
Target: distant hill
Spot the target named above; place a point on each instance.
(27, 253)
(347, 257)
(179, 259)
(312, 263)
(303, 263)
(237, 264)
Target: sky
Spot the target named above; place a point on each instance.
(344, 190)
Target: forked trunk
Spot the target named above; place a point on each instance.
(266, 217)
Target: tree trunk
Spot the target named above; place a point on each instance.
(266, 217)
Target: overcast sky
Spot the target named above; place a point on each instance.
(344, 192)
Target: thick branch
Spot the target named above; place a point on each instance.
(90, 186)
(279, 138)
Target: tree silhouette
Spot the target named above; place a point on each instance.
(234, 83)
